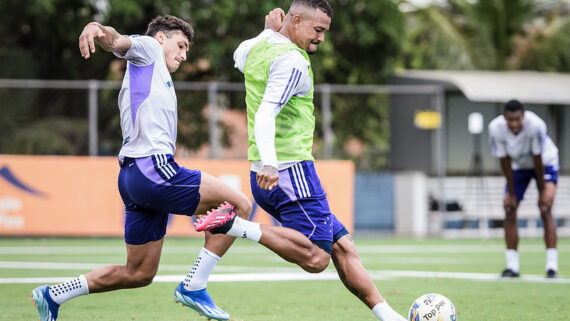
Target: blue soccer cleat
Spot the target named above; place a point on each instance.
(200, 301)
(47, 308)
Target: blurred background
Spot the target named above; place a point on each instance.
(404, 90)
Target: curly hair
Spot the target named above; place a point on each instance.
(323, 5)
(167, 24)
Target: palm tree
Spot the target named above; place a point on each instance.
(489, 35)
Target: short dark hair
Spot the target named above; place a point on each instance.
(513, 105)
(323, 5)
(167, 24)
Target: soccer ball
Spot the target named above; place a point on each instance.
(432, 307)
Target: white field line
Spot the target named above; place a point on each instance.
(224, 268)
(161, 267)
(304, 276)
(257, 249)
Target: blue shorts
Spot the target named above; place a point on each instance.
(152, 188)
(300, 203)
(522, 178)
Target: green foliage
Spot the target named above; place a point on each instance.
(54, 136)
(41, 41)
(435, 43)
(363, 43)
(545, 49)
(361, 130)
(45, 33)
(489, 35)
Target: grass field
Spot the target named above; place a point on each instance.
(244, 283)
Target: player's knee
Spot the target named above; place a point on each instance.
(142, 278)
(242, 206)
(316, 263)
(510, 214)
(545, 212)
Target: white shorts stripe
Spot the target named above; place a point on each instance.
(304, 180)
(299, 169)
(300, 189)
(160, 161)
(168, 167)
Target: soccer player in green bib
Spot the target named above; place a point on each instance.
(279, 98)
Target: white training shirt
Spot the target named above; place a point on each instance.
(277, 93)
(531, 140)
(147, 101)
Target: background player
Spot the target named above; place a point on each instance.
(519, 139)
(279, 97)
(151, 183)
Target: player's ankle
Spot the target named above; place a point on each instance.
(245, 229)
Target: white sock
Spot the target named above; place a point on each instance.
(197, 278)
(512, 257)
(245, 229)
(552, 259)
(384, 312)
(69, 290)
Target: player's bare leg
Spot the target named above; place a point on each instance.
(192, 290)
(213, 192)
(353, 274)
(550, 238)
(546, 215)
(294, 247)
(357, 280)
(140, 269)
(288, 243)
(511, 228)
(512, 241)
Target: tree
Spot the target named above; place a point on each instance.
(545, 48)
(40, 41)
(489, 35)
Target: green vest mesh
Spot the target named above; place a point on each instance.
(295, 124)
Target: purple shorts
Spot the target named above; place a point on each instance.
(522, 177)
(300, 203)
(152, 188)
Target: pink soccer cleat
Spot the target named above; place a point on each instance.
(218, 220)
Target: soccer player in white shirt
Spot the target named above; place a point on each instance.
(152, 185)
(519, 139)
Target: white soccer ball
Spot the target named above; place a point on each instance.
(432, 307)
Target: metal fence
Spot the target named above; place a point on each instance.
(93, 104)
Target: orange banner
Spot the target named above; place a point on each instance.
(78, 196)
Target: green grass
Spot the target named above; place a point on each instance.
(296, 300)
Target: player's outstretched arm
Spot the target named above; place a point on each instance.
(107, 37)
